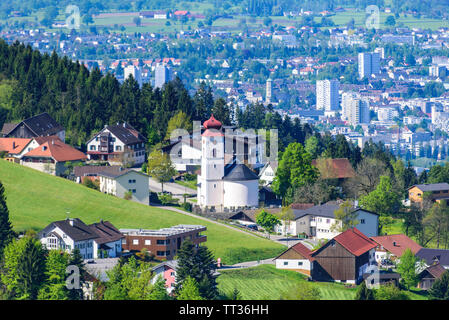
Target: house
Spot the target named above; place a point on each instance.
(51, 156)
(167, 271)
(298, 258)
(163, 243)
(118, 144)
(436, 191)
(383, 277)
(433, 256)
(14, 148)
(38, 126)
(428, 276)
(119, 182)
(392, 246)
(91, 172)
(344, 258)
(92, 241)
(339, 168)
(319, 221)
(268, 172)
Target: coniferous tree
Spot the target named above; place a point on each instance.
(6, 232)
(77, 260)
(440, 288)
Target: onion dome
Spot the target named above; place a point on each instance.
(212, 123)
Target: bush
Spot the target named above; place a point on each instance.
(154, 198)
(390, 292)
(187, 206)
(167, 198)
(91, 184)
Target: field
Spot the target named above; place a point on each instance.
(35, 199)
(265, 282)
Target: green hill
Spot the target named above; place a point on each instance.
(35, 199)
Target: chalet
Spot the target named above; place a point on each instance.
(167, 271)
(428, 276)
(14, 148)
(318, 221)
(298, 258)
(51, 156)
(390, 247)
(344, 258)
(38, 126)
(118, 144)
(118, 181)
(436, 191)
(433, 256)
(162, 243)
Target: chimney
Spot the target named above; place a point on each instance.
(13, 144)
(71, 222)
(394, 243)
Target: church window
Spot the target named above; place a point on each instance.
(214, 153)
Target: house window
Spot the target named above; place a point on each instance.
(328, 220)
(362, 221)
(214, 153)
(299, 263)
(285, 263)
(147, 242)
(118, 148)
(135, 241)
(93, 148)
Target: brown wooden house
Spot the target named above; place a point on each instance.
(344, 258)
(428, 276)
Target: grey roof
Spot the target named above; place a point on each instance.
(117, 172)
(432, 187)
(326, 210)
(40, 125)
(78, 232)
(106, 232)
(7, 128)
(432, 255)
(80, 171)
(126, 133)
(239, 172)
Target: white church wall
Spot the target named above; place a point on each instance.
(241, 193)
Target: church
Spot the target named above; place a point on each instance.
(223, 188)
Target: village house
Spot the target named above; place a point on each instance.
(51, 156)
(162, 243)
(14, 148)
(118, 144)
(298, 258)
(434, 256)
(429, 275)
(38, 126)
(121, 182)
(436, 192)
(391, 247)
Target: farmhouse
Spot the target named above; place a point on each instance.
(298, 258)
(433, 256)
(428, 276)
(393, 246)
(436, 191)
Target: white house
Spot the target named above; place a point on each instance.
(318, 221)
(297, 258)
(267, 173)
(121, 181)
(231, 187)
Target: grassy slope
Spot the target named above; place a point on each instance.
(35, 199)
(265, 282)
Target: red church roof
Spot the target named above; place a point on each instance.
(212, 127)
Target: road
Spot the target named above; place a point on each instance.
(174, 188)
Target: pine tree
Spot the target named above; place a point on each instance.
(6, 233)
(363, 293)
(189, 290)
(440, 288)
(77, 260)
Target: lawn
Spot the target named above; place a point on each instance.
(35, 199)
(265, 282)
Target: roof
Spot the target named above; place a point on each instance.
(171, 264)
(13, 145)
(301, 206)
(78, 232)
(432, 255)
(106, 232)
(397, 243)
(117, 171)
(431, 187)
(57, 150)
(355, 241)
(124, 132)
(40, 125)
(436, 270)
(239, 172)
(303, 250)
(324, 210)
(80, 171)
(334, 168)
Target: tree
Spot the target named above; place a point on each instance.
(87, 18)
(267, 221)
(6, 232)
(179, 121)
(383, 200)
(302, 291)
(407, 269)
(317, 193)
(437, 221)
(390, 21)
(160, 167)
(363, 293)
(367, 177)
(159, 291)
(267, 21)
(137, 21)
(24, 267)
(222, 112)
(440, 288)
(199, 264)
(390, 292)
(77, 260)
(345, 216)
(55, 272)
(295, 170)
(189, 290)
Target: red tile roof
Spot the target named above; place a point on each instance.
(397, 243)
(13, 145)
(334, 168)
(57, 150)
(303, 250)
(355, 241)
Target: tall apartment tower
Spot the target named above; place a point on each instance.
(355, 109)
(327, 97)
(369, 63)
(135, 72)
(269, 90)
(162, 75)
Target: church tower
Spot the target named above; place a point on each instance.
(210, 190)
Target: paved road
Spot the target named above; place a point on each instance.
(174, 188)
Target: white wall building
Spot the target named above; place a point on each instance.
(134, 72)
(327, 97)
(126, 181)
(369, 63)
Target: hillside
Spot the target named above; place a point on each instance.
(35, 199)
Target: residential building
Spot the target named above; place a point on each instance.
(163, 243)
(134, 72)
(355, 109)
(344, 258)
(434, 256)
(369, 63)
(268, 172)
(120, 182)
(428, 276)
(167, 271)
(339, 168)
(162, 75)
(14, 148)
(108, 244)
(118, 144)
(268, 94)
(38, 126)
(436, 191)
(51, 156)
(297, 258)
(391, 247)
(327, 96)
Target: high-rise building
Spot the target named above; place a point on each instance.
(269, 90)
(162, 75)
(369, 63)
(135, 72)
(355, 109)
(327, 97)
